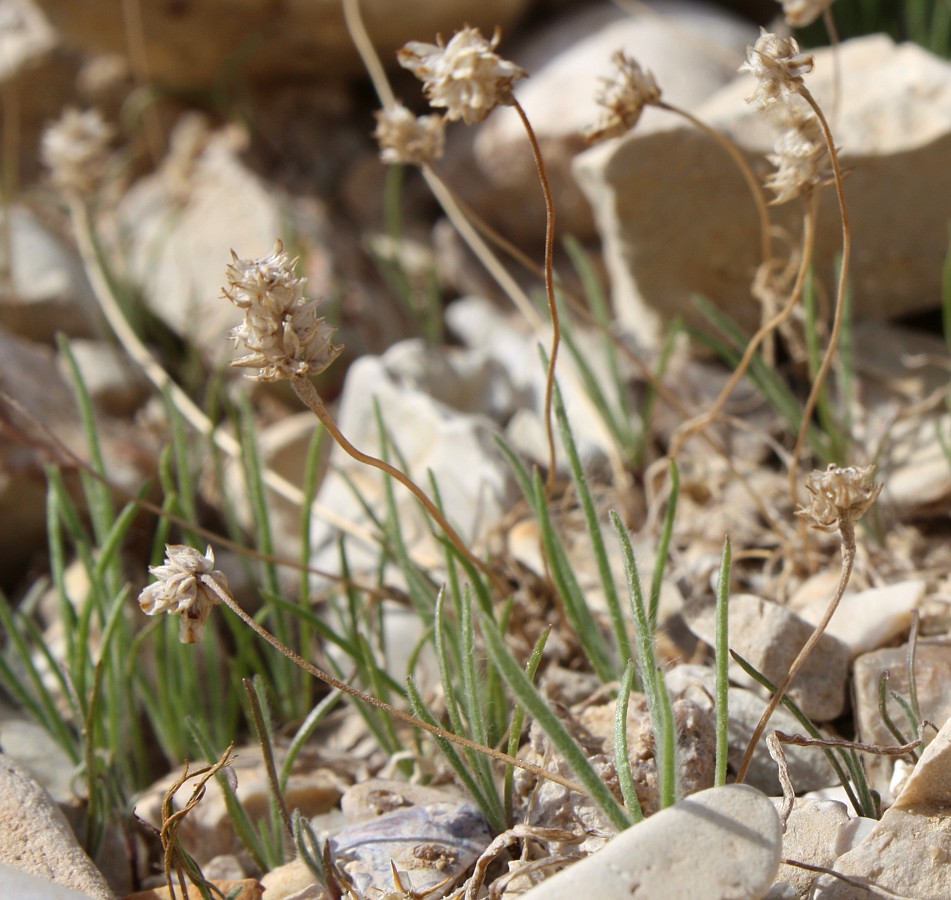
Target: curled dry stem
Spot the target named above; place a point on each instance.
(228, 600)
(847, 534)
(308, 395)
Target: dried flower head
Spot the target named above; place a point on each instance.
(466, 77)
(182, 589)
(779, 65)
(801, 158)
(623, 98)
(839, 494)
(800, 13)
(281, 329)
(75, 148)
(404, 138)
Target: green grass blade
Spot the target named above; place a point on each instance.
(663, 545)
(722, 655)
(618, 621)
(562, 741)
(622, 759)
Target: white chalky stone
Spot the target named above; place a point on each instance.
(720, 844)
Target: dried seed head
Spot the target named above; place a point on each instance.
(623, 98)
(801, 157)
(281, 330)
(466, 77)
(839, 494)
(75, 148)
(800, 13)
(779, 65)
(181, 589)
(404, 138)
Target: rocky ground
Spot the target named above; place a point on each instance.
(234, 124)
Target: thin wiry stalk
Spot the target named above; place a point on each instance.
(839, 313)
(308, 395)
(549, 289)
(847, 533)
(375, 702)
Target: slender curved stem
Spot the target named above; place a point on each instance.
(839, 314)
(847, 533)
(752, 182)
(549, 290)
(690, 428)
(370, 700)
(308, 395)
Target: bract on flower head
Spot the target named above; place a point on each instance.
(281, 330)
(779, 65)
(466, 77)
(181, 589)
(839, 493)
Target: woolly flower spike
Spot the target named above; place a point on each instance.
(76, 149)
(800, 13)
(623, 97)
(779, 66)
(403, 138)
(281, 330)
(839, 494)
(801, 159)
(466, 77)
(182, 589)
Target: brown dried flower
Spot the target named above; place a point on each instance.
(779, 65)
(75, 148)
(623, 98)
(466, 77)
(404, 138)
(800, 13)
(281, 330)
(839, 494)
(182, 589)
(801, 158)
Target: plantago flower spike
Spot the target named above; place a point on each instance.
(779, 65)
(466, 77)
(183, 589)
(404, 138)
(839, 494)
(281, 331)
(623, 98)
(75, 148)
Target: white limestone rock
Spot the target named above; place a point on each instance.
(717, 844)
(677, 219)
(35, 837)
(906, 853)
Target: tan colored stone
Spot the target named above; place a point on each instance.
(907, 852)
(932, 675)
(769, 636)
(35, 837)
(186, 43)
